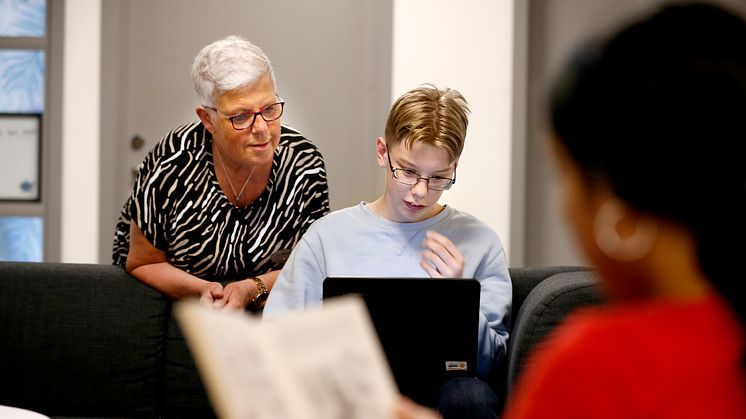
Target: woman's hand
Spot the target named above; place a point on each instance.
(440, 257)
(212, 295)
(239, 294)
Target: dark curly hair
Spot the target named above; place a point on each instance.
(658, 113)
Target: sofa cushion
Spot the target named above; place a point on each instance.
(543, 309)
(80, 340)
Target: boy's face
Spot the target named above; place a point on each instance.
(411, 203)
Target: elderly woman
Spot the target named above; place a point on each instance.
(220, 202)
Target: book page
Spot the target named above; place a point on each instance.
(322, 363)
(335, 358)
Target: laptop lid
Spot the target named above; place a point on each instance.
(428, 327)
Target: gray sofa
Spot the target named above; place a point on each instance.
(85, 340)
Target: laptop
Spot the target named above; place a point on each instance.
(428, 327)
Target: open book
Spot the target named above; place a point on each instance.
(324, 363)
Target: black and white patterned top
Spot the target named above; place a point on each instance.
(180, 208)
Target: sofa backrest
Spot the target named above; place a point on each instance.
(80, 340)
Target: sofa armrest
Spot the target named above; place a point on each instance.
(526, 279)
(544, 308)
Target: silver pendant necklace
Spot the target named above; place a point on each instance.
(237, 195)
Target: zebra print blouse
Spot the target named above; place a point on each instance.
(180, 208)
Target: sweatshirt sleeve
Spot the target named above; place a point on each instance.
(496, 296)
(299, 284)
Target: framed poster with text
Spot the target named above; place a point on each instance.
(20, 157)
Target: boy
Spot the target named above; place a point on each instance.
(406, 232)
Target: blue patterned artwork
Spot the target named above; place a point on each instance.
(21, 239)
(22, 91)
(21, 81)
(23, 18)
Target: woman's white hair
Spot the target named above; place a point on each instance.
(227, 64)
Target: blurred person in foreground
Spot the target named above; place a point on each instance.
(650, 142)
(219, 203)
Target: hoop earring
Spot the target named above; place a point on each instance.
(628, 249)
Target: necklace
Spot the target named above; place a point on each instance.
(237, 195)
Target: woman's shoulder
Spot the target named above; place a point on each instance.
(192, 136)
(182, 145)
(297, 156)
(294, 139)
(586, 337)
(643, 331)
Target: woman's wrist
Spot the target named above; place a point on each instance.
(261, 294)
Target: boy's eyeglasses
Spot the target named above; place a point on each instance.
(411, 178)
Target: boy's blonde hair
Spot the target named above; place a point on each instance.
(429, 115)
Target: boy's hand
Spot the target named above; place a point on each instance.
(440, 257)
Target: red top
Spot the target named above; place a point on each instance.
(654, 359)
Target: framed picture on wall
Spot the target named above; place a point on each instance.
(20, 157)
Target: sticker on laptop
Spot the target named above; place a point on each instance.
(456, 365)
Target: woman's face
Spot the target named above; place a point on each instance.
(581, 201)
(252, 146)
(576, 198)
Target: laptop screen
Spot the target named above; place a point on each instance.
(428, 327)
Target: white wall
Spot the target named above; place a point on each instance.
(80, 131)
(467, 46)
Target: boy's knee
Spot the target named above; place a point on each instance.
(467, 398)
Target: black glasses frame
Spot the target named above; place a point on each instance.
(419, 178)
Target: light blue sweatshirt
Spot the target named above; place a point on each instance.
(356, 242)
